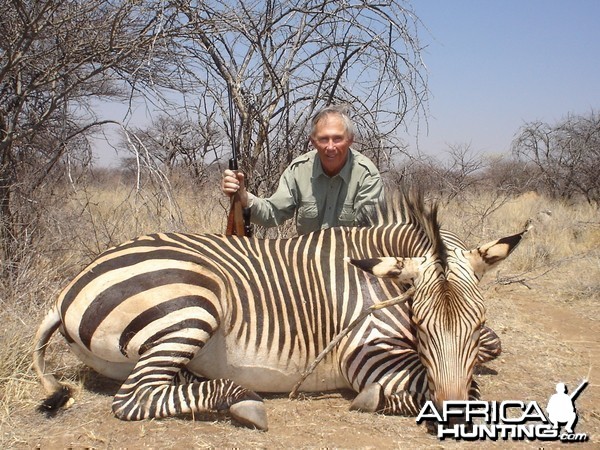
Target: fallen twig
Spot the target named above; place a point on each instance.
(511, 280)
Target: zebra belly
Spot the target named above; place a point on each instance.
(261, 371)
(110, 369)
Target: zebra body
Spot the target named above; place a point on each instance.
(198, 322)
(267, 361)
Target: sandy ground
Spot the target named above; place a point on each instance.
(549, 335)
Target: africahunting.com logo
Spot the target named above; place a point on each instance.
(508, 420)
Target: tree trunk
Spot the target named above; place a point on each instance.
(6, 222)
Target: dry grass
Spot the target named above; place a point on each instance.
(558, 265)
(560, 231)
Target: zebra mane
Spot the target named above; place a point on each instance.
(408, 207)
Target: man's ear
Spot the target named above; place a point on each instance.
(405, 270)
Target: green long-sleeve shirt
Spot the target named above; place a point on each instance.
(316, 200)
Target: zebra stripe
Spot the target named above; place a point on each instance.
(195, 323)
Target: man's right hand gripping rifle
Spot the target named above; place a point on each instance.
(233, 184)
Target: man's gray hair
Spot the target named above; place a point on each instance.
(341, 112)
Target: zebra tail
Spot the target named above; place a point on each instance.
(59, 394)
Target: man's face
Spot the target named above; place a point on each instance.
(332, 142)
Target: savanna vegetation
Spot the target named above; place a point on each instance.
(60, 60)
(556, 267)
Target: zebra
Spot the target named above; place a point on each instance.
(201, 322)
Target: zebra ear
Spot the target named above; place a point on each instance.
(486, 256)
(404, 270)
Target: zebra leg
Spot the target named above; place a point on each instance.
(370, 399)
(489, 345)
(394, 384)
(474, 391)
(373, 399)
(155, 390)
(402, 403)
(184, 376)
(242, 412)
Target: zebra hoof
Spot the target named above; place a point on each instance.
(370, 399)
(250, 413)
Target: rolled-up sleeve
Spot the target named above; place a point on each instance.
(281, 206)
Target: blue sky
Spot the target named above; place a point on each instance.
(495, 65)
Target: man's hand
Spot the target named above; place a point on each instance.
(233, 182)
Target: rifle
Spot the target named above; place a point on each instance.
(238, 220)
(580, 388)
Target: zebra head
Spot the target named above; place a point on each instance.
(447, 307)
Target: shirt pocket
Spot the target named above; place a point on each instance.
(347, 216)
(307, 219)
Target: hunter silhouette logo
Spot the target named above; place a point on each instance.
(510, 419)
(561, 406)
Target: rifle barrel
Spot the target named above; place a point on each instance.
(580, 388)
(232, 132)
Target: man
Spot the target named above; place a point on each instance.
(326, 187)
